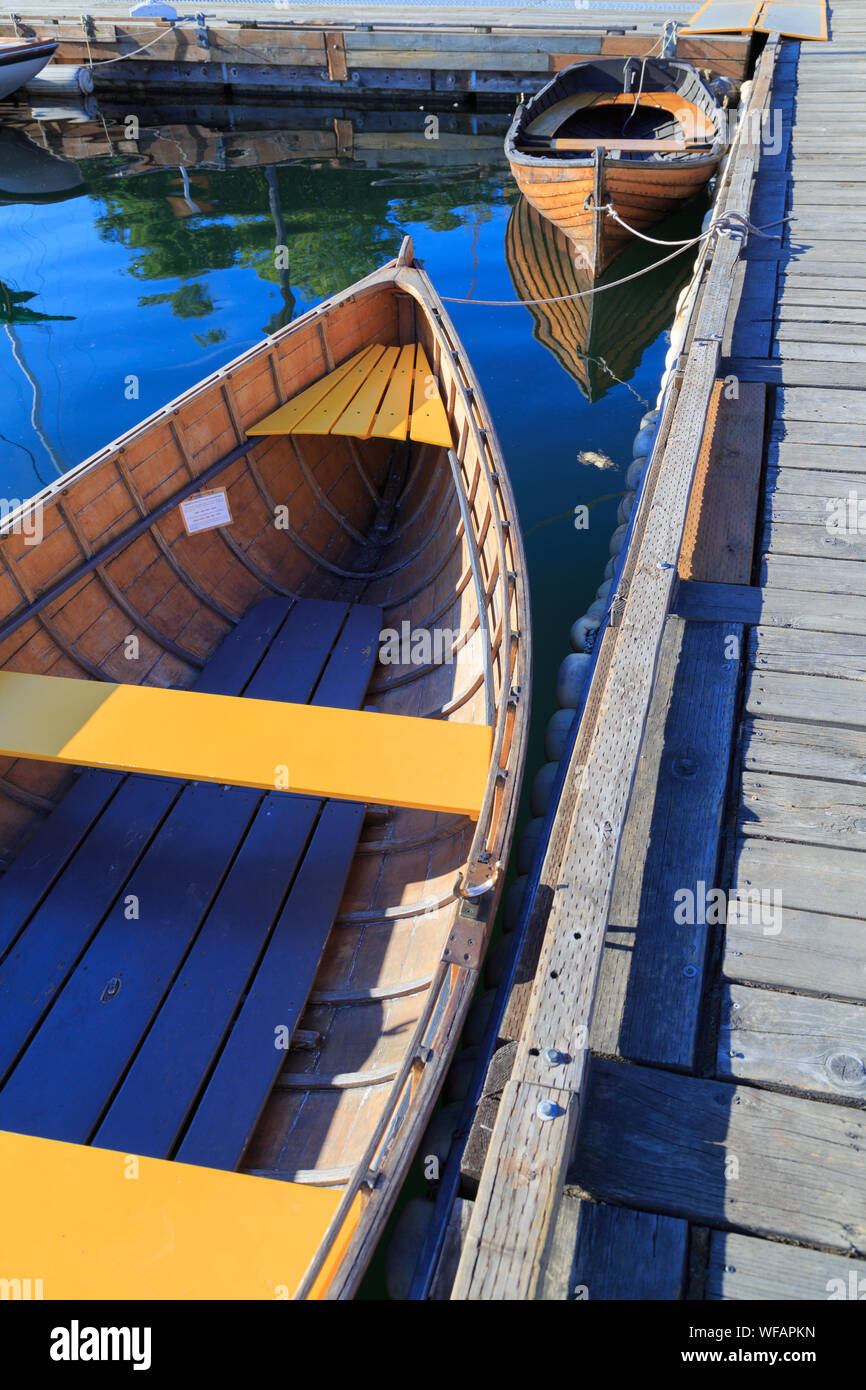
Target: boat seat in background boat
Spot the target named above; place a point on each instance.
(142, 980)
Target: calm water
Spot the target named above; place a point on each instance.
(155, 260)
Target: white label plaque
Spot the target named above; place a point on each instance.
(206, 511)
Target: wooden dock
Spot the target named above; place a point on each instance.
(675, 1106)
(438, 53)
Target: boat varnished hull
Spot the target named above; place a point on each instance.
(359, 1096)
(642, 192)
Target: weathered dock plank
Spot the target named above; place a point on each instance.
(814, 954)
(814, 750)
(724, 1155)
(605, 1252)
(748, 1269)
(792, 1041)
(835, 576)
(790, 538)
(811, 653)
(816, 878)
(808, 809)
(800, 608)
(789, 695)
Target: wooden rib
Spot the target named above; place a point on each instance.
(397, 846)
(371, 994)
(119, 597)
(309, 1177)
(62, 645)
(382, 687)
(458, 702)
(159, 540)
(336, 1081)
(322, 497)
(422, 907)
(27, 798)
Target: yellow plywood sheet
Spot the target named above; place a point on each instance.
(795, 21)
(353, 755)
(724, 17)
(285, 417)
(95, 1224)
(359, 414)
(428, 423)
(392, 421)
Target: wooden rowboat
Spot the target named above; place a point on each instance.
(237, 949)
(600, 338)
(20, 61)
(641, 135)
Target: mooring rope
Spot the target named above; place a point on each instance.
(727, 221)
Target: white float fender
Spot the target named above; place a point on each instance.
(531, 833)
(617, 540)
(603, 591)
(635, 471)
(580, 631)
(571, 678)
(513, 902)
(626, 507)
(542, 787)
(643, 442)
(555, 736)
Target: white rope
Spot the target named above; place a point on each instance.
(728, 221)
(101, 62)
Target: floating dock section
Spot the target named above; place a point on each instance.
(432, 52)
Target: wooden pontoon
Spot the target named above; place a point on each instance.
(242, 976)
(598, 339)
(20, 61)
(642, 136)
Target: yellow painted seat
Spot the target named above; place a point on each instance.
(352, 755)
(91, 1223)
(380, 392)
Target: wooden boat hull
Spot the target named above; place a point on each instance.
(597, 339)
(567, 186)
(20, 61)
(428, 536)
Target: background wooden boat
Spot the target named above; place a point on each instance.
(622, 111)
(20, 61)
(598, 340)
(428, 540)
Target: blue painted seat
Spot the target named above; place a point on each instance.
(159, 939)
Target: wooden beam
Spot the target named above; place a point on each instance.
(353, 755)
(801, 1163)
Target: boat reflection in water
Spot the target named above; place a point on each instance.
(599, 339)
